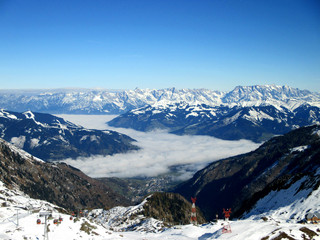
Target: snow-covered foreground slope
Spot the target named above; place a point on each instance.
(291, 204)
(24, 225)
(122, 219)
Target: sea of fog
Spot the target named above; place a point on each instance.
(160, 152)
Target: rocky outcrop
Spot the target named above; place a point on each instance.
(171, 208)
(57, 183)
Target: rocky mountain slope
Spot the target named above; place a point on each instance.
(57, 183)
(291, 161)
(156, 212)
(256, 123)
(98, 101)
(51, 138)
(72, 191)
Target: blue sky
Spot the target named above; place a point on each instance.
(123, 44)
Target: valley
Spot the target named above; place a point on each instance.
(135, 173)
(176, 158)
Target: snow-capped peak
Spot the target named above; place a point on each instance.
(115, 102)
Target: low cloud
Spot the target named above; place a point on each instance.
(160, 152)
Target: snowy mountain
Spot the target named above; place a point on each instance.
(256, 123)
(24, 179)
(51, 138)
(278, 96)
(88, 101)
(279, 180)
(95, 101)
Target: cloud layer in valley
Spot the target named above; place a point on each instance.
(160, 152)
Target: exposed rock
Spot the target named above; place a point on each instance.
(57, 183)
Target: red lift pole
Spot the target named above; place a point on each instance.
(227, 213)
(226, 228)
(193, 219)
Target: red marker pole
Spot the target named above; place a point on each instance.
(193, 219)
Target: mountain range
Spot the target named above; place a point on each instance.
(269, 189)
(52, 138)
(100, 101)
(256, 123)
(247, 112)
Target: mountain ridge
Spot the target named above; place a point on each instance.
(52, 138)
(57, 183)
(101, 101)
(256, 123)
(240, 182)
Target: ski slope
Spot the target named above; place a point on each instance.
(19, 214)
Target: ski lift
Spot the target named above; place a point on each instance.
(38, 221)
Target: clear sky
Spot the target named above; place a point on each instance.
(123, 44)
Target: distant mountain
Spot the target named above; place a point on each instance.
(52, 138)
(282, 176)
(170, 117)
(95, 101)
(88, 101)
(256, 123)
(264, 95)
(57, 183)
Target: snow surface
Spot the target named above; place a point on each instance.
(3, 113)
(257, 116)
(288, 205)
(299, 148)
(18, 141)
(19, 213)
